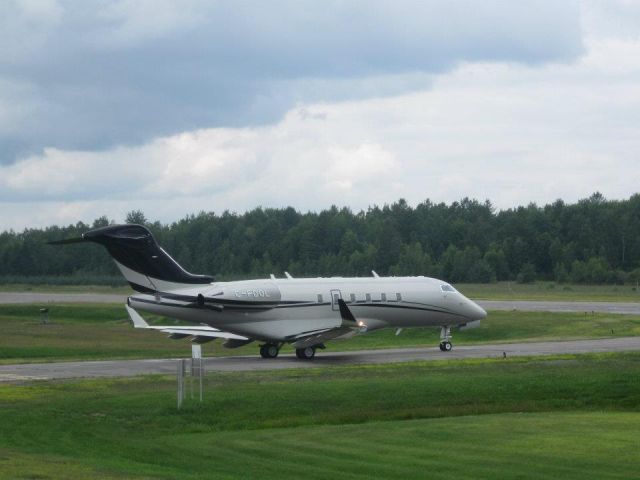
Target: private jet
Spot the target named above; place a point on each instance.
(302, 312)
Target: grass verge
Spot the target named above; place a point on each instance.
(571, 418)
(92, 332)
(550, 291)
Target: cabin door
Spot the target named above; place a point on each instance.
(335, 296)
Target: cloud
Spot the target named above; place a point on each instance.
(511, 133)
(485, 123)
(94, 75)
(351, 167)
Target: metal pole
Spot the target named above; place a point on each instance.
(201, 371)
(184, 374)
(44, 316)
(181, 370)
(191, 381)
(179, 379)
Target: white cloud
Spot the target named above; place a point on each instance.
(107, 73)
(504, 131)
(25, 26)
(352, 167)
(133, 21)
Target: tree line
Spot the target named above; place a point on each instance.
(594, 240)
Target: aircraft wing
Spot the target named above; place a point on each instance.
(315, 338)
(349, 327)
(181, 332)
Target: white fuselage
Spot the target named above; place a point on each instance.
(279, 310)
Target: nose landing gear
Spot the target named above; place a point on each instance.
(445, 337)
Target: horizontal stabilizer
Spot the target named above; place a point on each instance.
(199, 332)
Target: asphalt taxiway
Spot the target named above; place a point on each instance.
(46, 298)
(125, 368)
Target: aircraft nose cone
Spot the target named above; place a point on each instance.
(478, 312)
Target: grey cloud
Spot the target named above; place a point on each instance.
(104, 73)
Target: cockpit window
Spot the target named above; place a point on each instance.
(447, 288)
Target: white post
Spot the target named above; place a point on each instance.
(197, 368)
(181, 371)
(201, 370)
(196, 351)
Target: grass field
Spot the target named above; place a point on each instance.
(564, 417)
(478, 291)
(550, 291)
(90, 332)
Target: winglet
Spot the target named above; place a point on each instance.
(136, 319)
(345, 313)
(375, 275)
(288, 275)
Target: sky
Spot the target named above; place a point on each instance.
(178, 107)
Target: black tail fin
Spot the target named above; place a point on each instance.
(146, 266)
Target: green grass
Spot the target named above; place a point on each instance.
(78, 332)
(550, 291)
(91, 332)
(570, 417)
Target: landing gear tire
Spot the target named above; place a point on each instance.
(269, 350)
(446, 346)
(306, 353)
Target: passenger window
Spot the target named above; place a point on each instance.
(383, 297)
(353, 297)
(319, 298)
(336, 297)
(368, 297)
(398, 297)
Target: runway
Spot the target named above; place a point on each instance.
(628, 308)
(46, 298)
(126, 368)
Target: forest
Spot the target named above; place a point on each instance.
(592, 241)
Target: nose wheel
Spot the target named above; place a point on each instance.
(445, 339)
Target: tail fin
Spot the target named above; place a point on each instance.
(145, 265)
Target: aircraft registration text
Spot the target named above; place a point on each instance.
(257, 293)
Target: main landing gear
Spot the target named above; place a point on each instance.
(306, 353)
(445, 337)
(269, 350)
